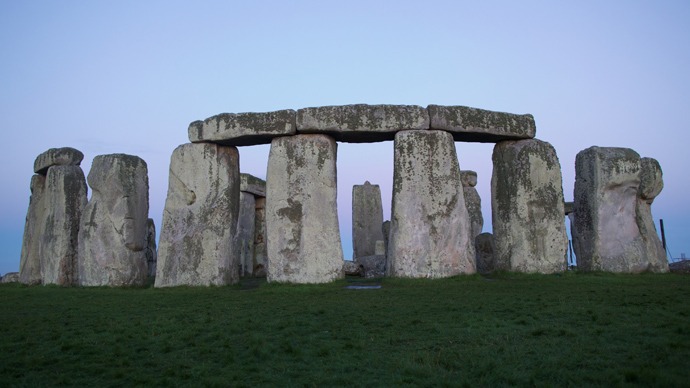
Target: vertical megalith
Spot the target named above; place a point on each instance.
(367, 218)
(244, 240)
(527, 207)
(472, 201)
(430, 233)
(200, 217)
(30, 262)
(151, 252)
(485, 247)
(65, 199)
(303, 236)
(651, 184)
(112, 232)
(260, 237)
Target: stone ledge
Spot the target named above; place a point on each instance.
(241, 129)
(253, 185)
(479, 125)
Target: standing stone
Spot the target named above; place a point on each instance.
(472, 201)
(301, 210)
(386, 230)
(30, 261)
(430, 229)
(367, 217)
(151, 253)
(200, 217)
(486, 248)
(651, 184)
(65, 199)
(112, 232)
(244, 239)
(527, 207)
(260, 237)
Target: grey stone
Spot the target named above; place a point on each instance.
(244, 240)
(486, 248)
(65, 199)
(252, 184)
(260, 237)
(112, 232)
(361, 123)
(238, 129)
(380, 248)
(651, 184)
(301, 211)
(151, 252)
(473, 201)
(373, 266)
(568, 207)
(351, 268)
(527, 207)
(65, 156)
(30, 261)
(367, 217)
(200, 217)
(479, 125)
(430, 232)
(386, 229)
(10, 277)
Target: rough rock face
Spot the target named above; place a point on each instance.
(65, 199)
(367, 217)
(200, 217)
(10, 277)
(260, 237)
(65, 156)
(430, 232)
(361, 123)
(608, 238)
(244, 240)
(651, 184)
(386, 229)
(478, 125)
(351, 268)
(301, 211)
(30, 261)
(253, 185)
(151, 253)
(236, 129)
(373, 266)
(486, 248)
(112, 232)
(472, 201)
(527, 207)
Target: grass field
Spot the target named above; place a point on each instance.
(525, 330)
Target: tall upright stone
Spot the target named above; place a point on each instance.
(472, 201)
(301, 210)
(430, 228)
(260, 237)
(65, 199)
(151, 251)
(367, 218)
(30, 261)
(112, 232)
(200, 217)
(651, 184)
(527, 207)
(244, 240)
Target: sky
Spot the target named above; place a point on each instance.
(129, 76)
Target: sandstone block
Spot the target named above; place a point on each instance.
(238, 129)
(473, 201)
(244, 240)
(430, 232)
(65, 156)
(10, 277)
(367, 217)
(301, 211)
(479, 125)
(112, 232)
(386, 229)
(651, 184)
(380, 248)
(30, 261)
(351, 268)
(200, 217)
(151, 252)
(361, 123)
(485, 247)
(260, 237)
(253, 185)
(373, 266)
(527, 207)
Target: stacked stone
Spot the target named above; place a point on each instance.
(250, 241)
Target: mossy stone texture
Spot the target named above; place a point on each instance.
(237, 129)
(65, 156)
(479, 125)
(367, 218)
(30, 262)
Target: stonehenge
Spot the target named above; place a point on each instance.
(219, 225)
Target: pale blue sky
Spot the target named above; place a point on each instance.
(129, 76)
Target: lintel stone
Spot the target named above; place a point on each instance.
(253, 185)
(239, 129)
(479, 125)
(65, 156)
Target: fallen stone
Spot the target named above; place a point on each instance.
(30, 261)
(367, 217)
(244, 240)
(430, 232)
(479, 125)
(473, 201)
(680, 267)
(361, 123)
(301, 211)
(10, 277)
(65, 156)
(65, 199)
(373, 266)
(351, 268)
(651, 184)
(253, 185)
(238, 129)
(151, 252)
(485, 247)
(260, 237)
(527, 208)
(200, 217)
(112, 232)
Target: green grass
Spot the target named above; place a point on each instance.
(524, 330)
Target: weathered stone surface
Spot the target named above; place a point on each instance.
(260, 237)
(430, 232)
(479, 125)
(485, 247)
(606, 234)
(151, 252)
(30, 261)
(380, 248)
(651, 184)
(373, 266)
(527, 207)
(361, 123)
(244, 240)
(301, 210)
(200, 217)
(238, 129)
(112, 232)
(351, 268)
(472, 201)
(252, 184)
(568, 207)
(10, 277)
(65, 156)
(386, 229)
(367, 217)
(65, 199)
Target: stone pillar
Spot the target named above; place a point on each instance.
(112, 232)
(245, 233)
(472, 201)
(430, 228)
(651, 184)
(301, 210)
(200, 217)
(30, 262)
(486, 248)
(367, 218)
(260, 237)
(151, 252)
(527, 207)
